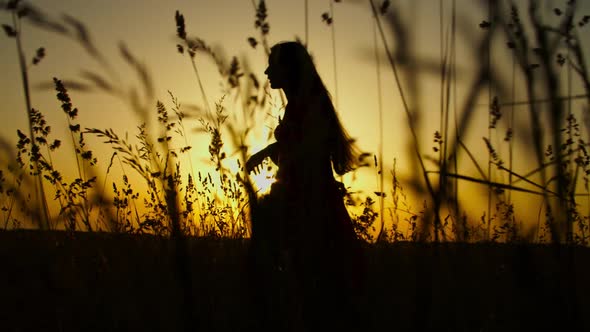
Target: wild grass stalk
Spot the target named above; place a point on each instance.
(518, 42)
(441, 137)
(441, 133)
(191, 45)
(400, 204)
(380, 126)
(449, 93)
(84, 157)
(306, 15)
(71, 196)
(11, 195)
(262, 24)
(15, 31)
(491, 20)
(510, 125)
(6, 202)
(410, 116)
(187, 148)
(334, 60)
(551, 84)
(460, 222)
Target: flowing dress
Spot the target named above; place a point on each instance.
(302, 228)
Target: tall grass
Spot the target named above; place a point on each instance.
(41, 211)
(175, 197)
(486, 78)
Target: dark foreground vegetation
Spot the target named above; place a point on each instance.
(63, 281)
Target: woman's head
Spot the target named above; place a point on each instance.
(290, 67)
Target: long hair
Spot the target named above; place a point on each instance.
(306, 81)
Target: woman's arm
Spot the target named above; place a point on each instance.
(254, 162)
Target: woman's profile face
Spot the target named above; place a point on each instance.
(275, 72)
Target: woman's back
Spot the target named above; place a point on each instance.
(303, 147)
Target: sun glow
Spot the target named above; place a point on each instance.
(264, 180)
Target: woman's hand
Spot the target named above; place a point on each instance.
(254, 163)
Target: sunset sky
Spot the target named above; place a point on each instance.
(147, 28)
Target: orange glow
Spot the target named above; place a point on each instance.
(350, 71)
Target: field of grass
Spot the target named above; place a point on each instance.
(59, 281)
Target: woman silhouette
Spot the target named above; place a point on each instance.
(302, 227)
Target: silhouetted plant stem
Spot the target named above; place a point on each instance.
(333, 30)
(39, 190)
(572, 168)
(490, 119)
(380, 124)
(510, 133)
(259, 8)
(262, 5)
(521, 51)
(306, 14)
(551, 85)
(442, 129)
(201, 88)
(450, 80)
(462, 229)
(580, 66)
(447, 46)
(537, 139)
(408, 114)
(76, 145)
(191, 48)
(183, 132)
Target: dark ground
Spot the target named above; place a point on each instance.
(55, 281)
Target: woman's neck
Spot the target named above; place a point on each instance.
(291, 94)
